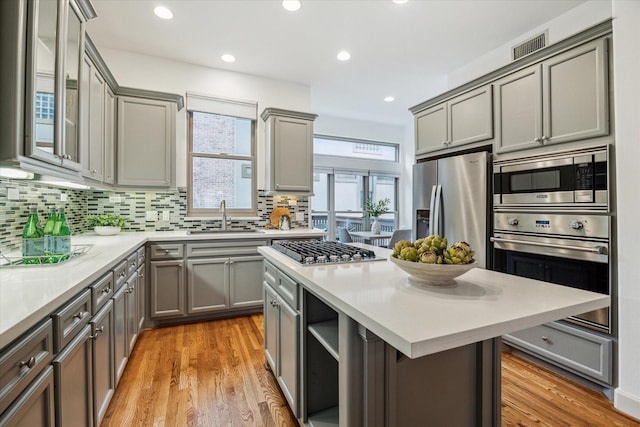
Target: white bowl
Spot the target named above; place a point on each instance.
(106, 231)
(436, 275)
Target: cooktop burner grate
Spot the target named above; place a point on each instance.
(311, 252)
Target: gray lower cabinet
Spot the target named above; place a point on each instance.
(145, 156)
(140, 297)
(35, 407)
(120, 332)
(245, 279)
(74, 382)
(584, 353)
(104, 380)
(131, 310)
(207, 285)
(282, 336)
(166, 286)
(562, 99)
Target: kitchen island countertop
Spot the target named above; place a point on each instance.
(419, 321)
(29, 294)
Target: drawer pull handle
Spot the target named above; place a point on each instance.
(546, 339)
(106, 290)
(166, 251)
(99, 331)
(80, 315)
(29, 363)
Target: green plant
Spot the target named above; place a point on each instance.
(106, 220)
(376, 209)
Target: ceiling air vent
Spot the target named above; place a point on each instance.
(529, 46)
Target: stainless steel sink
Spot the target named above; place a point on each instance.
(218, 231)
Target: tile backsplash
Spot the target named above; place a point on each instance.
(16, 196)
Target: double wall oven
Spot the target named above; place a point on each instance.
(552, 221)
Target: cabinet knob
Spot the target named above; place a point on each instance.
(29, 363)
(93, 171)
(274, 303)
(545, 138)
(122, 274)
(99, 331)
(545, 339)
(537, 140)
(106, 290)
(80, 315)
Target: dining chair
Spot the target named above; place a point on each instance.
(399, 234)
(344, 236)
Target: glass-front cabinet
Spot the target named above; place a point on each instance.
(55, 45)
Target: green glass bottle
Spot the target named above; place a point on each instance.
(32, 238)
(48, 230)
(61, 236)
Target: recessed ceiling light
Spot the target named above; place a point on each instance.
(400, 1)
(291, 5)
(343, 55)
(228, 58)
(163, 12)
(389, 99)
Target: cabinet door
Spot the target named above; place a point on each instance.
(470, 117)
(34, 407)
(119, 332)
(140, 297)
(271, 315)
(167, 289)
(518, 109)
(245, 285)
(575, 85)
(288, 353)
(293, 139)
(431, 129)
(73, 379)
(104, 380)
(109, 135)
(96, 126)
(207, 285)
(145, 142)
(131, 307)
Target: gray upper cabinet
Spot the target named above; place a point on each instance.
(55, 44)
(562, 99)
(144, 151)
(289, 135)
(465, 119)
(93, 121)
(109, 136)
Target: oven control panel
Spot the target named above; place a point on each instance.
(575, 225)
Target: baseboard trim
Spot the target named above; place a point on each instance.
(627, 403)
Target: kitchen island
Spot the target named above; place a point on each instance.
(402, 355)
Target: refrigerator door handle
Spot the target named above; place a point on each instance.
(432, 210)
(439, 217)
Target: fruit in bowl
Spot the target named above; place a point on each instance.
(431, 262)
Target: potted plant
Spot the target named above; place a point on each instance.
(374, 210)
(106, 224)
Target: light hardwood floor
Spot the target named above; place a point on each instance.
(212, 374)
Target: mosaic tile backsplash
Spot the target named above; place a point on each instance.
(133, 205)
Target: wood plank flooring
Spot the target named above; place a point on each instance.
(212, 374)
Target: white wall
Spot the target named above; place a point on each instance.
(159, 74)
(575, 20)
(626, 60)
(358, 129)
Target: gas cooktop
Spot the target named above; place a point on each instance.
(314, 252)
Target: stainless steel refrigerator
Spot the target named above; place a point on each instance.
(450, 198)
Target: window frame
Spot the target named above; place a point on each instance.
(192, 212)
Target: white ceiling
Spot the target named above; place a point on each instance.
(401, 50)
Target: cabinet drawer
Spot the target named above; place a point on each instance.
(132, 263)
(574, 349)
(287, 288)
(70, 319)
(224, 248)
(141, 255)
(101, 291)
(270, 273)
(120, 274)
(21, 362)
(166, 251)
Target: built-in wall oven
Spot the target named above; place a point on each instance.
(552, 221)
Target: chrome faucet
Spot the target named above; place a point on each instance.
(223, 211)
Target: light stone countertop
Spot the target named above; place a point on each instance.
(419, 321)
(29, 294)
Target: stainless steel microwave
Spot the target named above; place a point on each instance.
(568, 180)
